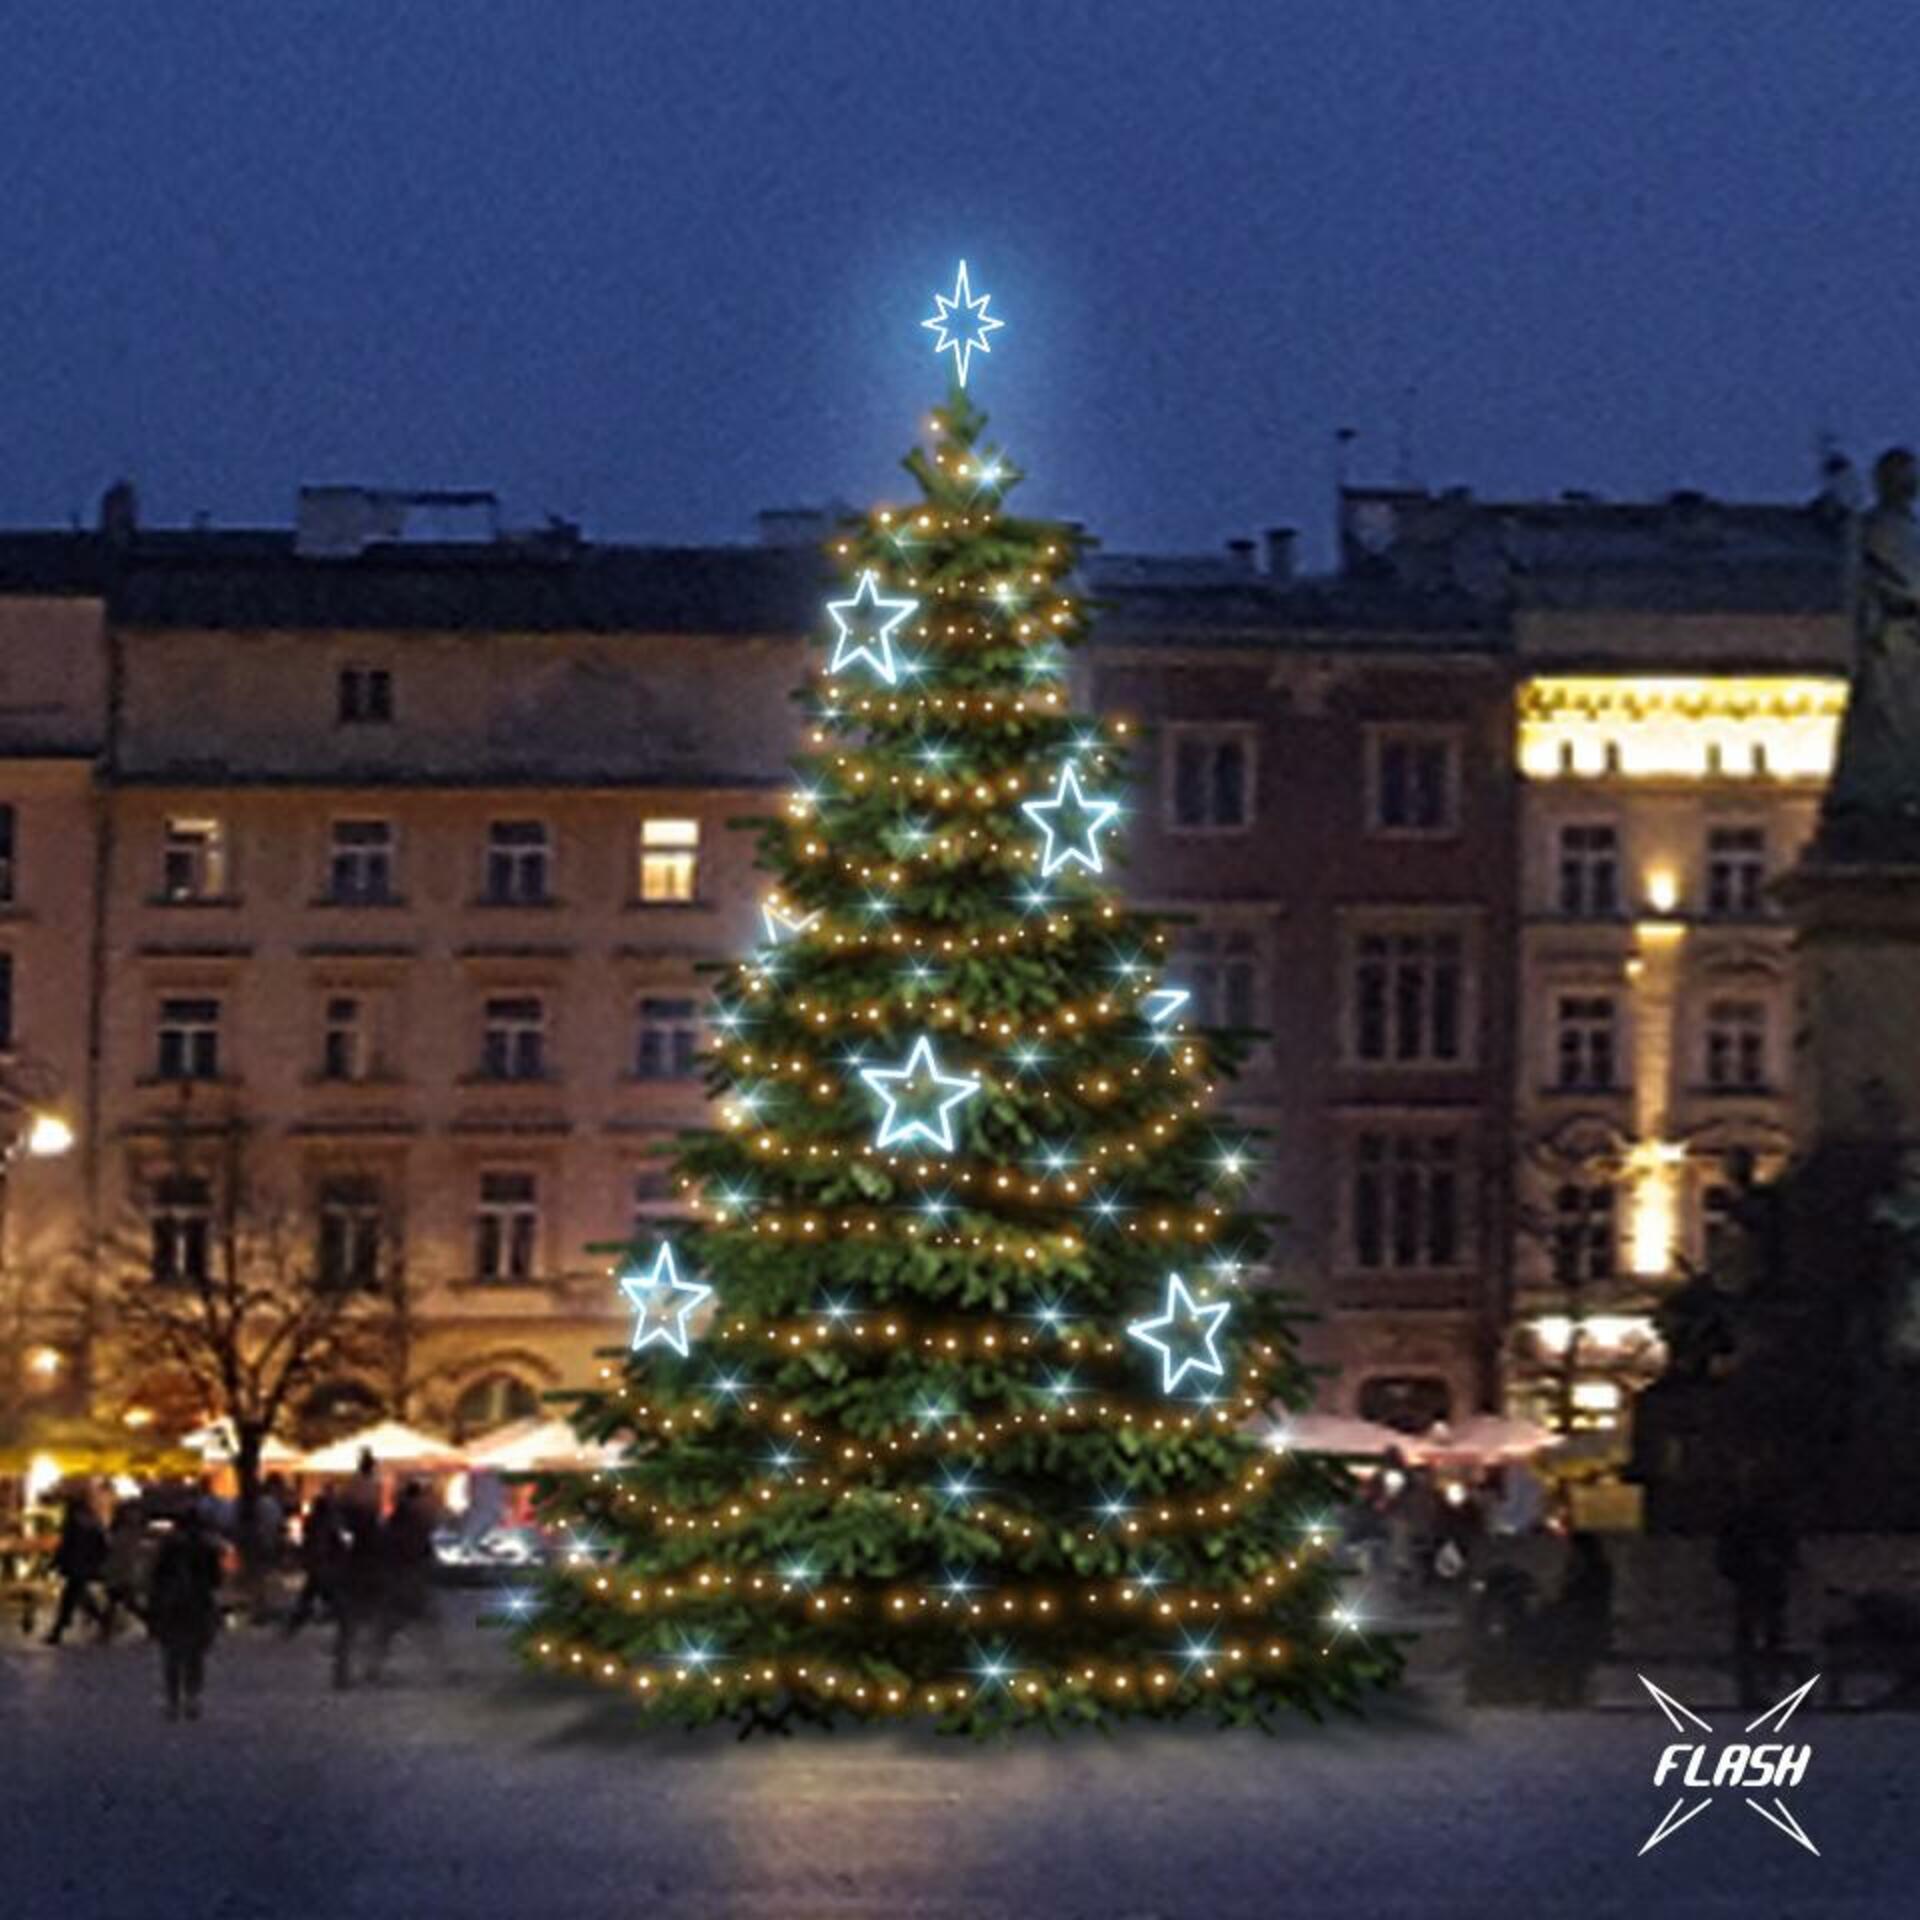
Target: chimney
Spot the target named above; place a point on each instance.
(1242, 552)
(119, 513)
(1280, 544)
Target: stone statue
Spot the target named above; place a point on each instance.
(1872, 807)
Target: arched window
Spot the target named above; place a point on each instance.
(492, 1401)
(337, 1407)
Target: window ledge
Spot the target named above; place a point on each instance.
(637, 905)
(497, 1080)
(188, 1080)
(195, 900)
(546, 903)
(375, 902)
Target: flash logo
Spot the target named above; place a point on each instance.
(1735, 1763)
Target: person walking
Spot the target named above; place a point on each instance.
(183, 1610)
(360, 1581)
(79, 1558)
(406, 1554)
(120, 1569)
(1756, 1554)
(323, 1555)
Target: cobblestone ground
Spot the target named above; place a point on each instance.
(492, 1794)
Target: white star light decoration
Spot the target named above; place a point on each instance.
(782, 925)
(1197, 1352)
(961, 324)
(662, 1298)
(1068, 820)
(874, 644)
(1163, 1003)
(919, 1082)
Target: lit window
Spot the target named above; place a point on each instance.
(669, 861)
(507, 1226)
(193, 860)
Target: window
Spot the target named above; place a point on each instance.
(1585, 1041)
(657, 1202)
(1736, 871)
(1406, 1200)
(1221, 969)
(343, 1038)
(8, 872)
(1589, 870)
(193, 861)
(1212, 781)
(518, 859)
(1406, 998)
(1583, 1232)
(1736, 1045)
(669, 861)
(189, 1040)
(351, 1230)
(513, 1045)
(667, 1039)
(507, 1227)
(181, 1219)
(6, 1002)
(495, 1400)
(366, 696)
(360, 866)
(1414, 784)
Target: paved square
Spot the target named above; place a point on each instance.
(497, 1795)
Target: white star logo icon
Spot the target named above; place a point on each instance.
(653, 1298)
(960, 337)
(1738, 1764)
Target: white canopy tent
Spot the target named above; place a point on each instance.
(528, 1446)
(392, 1444)
(214, 1443)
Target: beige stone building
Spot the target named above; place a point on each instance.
(400, 862)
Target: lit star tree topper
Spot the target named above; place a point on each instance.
(1072, 823)
(920, 1099)
(1183, 1334)
(864, 626)
(662, 1302)
(961, 324)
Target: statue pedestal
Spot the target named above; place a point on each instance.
(1856, 1033)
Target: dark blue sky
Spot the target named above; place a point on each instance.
(655, 263)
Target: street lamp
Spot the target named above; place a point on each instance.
(47, 1136)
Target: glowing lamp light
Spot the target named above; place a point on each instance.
(1183, 1333)
(917, 1108)
(49, 1136)
(961, 324)
(662, 1303)
(861, 636)
(1663, 889)
(1072, 823)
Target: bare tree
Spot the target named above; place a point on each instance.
(218, 1292)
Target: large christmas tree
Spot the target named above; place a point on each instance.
(955, 1399)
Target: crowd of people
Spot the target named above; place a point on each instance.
(179, 1561)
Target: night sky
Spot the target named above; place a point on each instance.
(653, 264)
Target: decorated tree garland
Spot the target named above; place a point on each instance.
(957, 1399)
